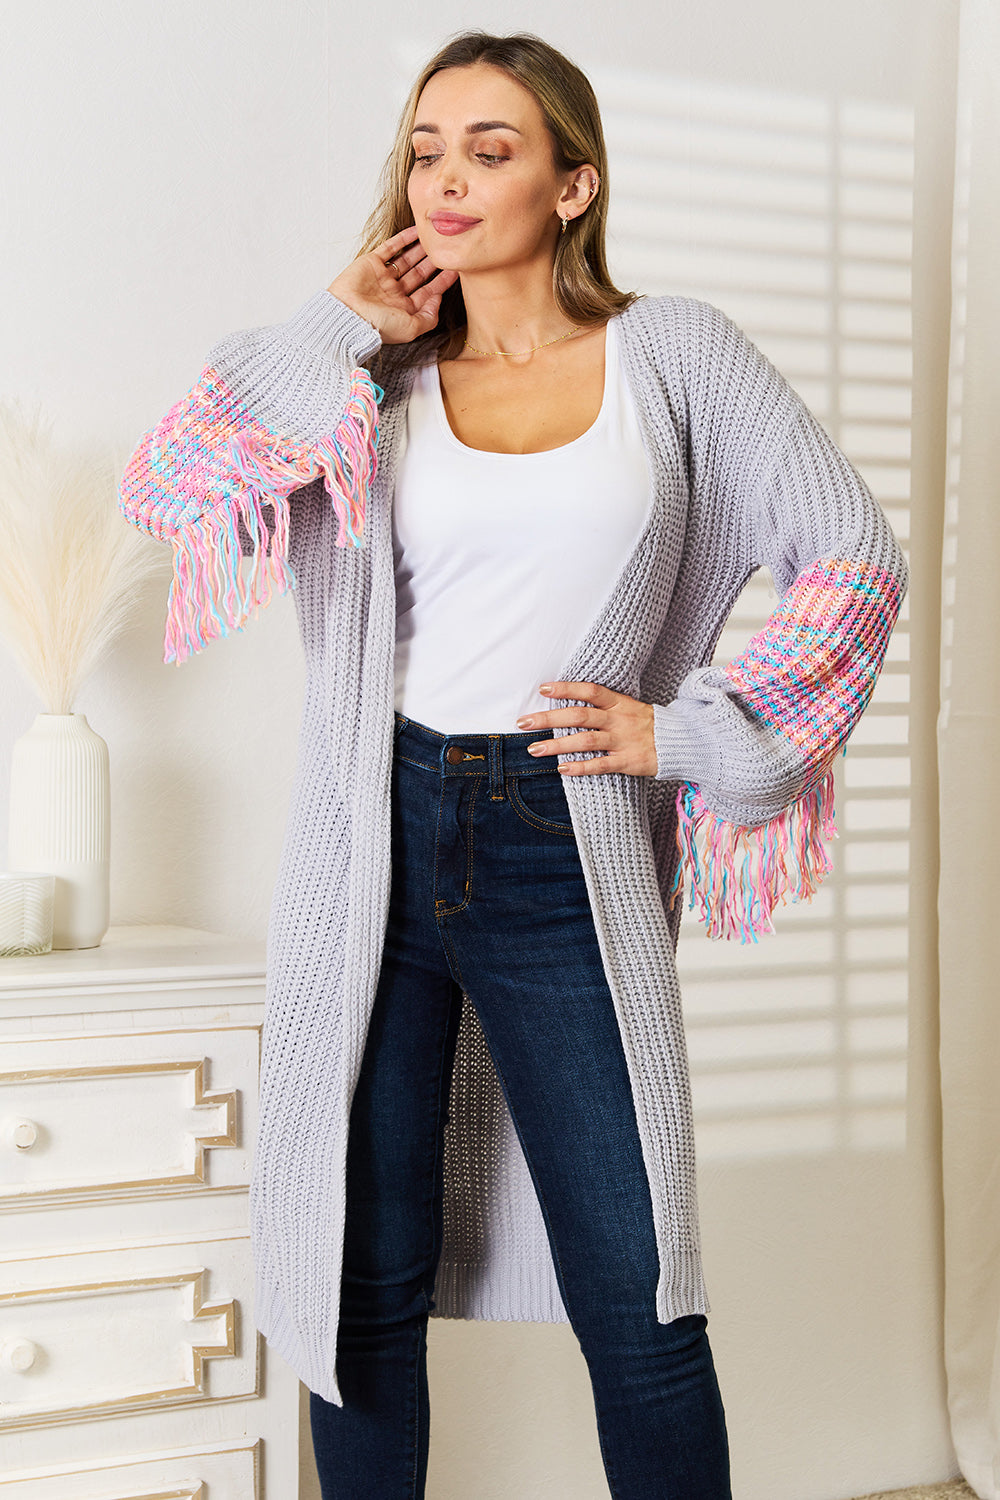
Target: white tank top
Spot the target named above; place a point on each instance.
(503, 560)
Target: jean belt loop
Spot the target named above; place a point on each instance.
(496, 767)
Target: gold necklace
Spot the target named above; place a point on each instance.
(512, 353)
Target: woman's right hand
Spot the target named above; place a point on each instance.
(400, 308)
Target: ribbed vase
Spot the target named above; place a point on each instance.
(60, 822)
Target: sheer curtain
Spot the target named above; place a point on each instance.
(969, 765)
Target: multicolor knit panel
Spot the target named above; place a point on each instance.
(210, 463)
(808, 675)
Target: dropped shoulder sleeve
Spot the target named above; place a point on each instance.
(272, 409)
(752, 742)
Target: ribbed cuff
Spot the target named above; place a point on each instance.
(746, 782)
(681, 754)
(331, 328)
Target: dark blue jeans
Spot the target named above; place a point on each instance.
(488, 898)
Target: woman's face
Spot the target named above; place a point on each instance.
(484, 157)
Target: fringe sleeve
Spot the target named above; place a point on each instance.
(272, 409)
(753, 742)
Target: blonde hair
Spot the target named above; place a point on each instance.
(581, 282)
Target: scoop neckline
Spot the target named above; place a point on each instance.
(610, 355)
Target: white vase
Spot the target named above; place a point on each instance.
(60, 822)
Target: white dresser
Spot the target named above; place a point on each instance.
(130, 1368)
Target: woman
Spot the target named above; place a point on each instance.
(553, 492)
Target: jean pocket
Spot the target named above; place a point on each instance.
(540, 801)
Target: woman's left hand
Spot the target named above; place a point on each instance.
(620, 726)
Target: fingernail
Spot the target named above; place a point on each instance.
(546, 687)
(534, 749)
(525, 723)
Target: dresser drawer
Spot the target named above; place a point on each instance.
(135, 1328)
(227, 1471)
(126, 1112)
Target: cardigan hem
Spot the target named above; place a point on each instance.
(681, 1288)
(526, 1292)
(271, 1318)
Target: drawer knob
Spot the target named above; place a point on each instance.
(21, 1133)
(17, 1354)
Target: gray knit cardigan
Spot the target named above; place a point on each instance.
(285, 450)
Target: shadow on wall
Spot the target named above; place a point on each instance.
(953, 1490)
(794, 215)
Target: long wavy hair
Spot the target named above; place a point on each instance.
(581, 281)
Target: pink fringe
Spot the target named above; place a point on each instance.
(740, 874)
(209, 596)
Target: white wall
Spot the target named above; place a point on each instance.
(173, 171)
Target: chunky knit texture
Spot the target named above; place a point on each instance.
(286, 421)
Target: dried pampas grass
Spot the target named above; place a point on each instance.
(71, 567)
